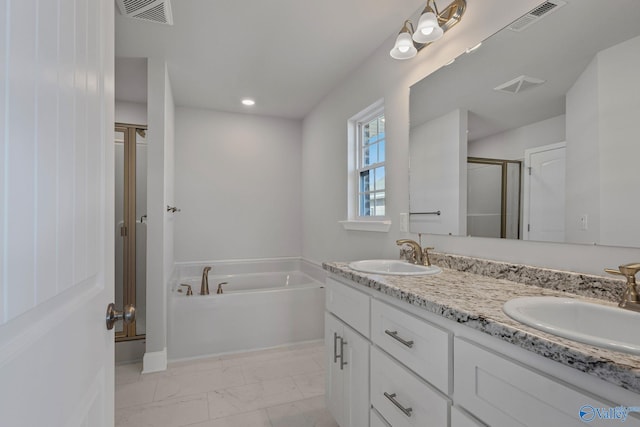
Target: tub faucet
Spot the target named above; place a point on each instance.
(420, 256)
(204, 286)
(630, 299)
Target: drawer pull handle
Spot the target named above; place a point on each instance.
(335, 347)
(394, 335)
(342, 362)
(392, 398)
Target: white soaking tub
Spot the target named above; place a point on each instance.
(256, 310)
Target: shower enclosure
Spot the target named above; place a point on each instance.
(130, 226)
(493, 198)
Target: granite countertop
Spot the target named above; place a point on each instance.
(476, 301)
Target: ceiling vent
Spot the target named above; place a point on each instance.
(158, 11)
(519, 84)
(536, 14)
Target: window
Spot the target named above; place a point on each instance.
(371, 167)
(367, 171)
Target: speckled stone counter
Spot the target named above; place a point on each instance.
(476, 301)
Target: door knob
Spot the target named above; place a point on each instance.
(128, 315)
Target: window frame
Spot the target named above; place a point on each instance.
(360, 167)
(355, 221)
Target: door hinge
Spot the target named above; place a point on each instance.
(529, 170)
(123, 231)
(528, 227)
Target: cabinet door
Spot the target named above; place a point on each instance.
(355, 351)
(502, 392)
(334, 385)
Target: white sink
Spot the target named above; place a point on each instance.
(393, 267)
(602, 326)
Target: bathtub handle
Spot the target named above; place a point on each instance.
(189, 290)
(342, 361)
(335, 347)
(220, 291)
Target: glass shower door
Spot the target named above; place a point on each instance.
(130, 151)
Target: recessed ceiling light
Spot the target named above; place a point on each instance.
(248, 102)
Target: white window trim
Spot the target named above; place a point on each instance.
(355, 222)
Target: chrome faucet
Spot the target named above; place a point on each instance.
(630, 299)
(204, 286)
(420, 255)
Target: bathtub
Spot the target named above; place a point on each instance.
(257, 310)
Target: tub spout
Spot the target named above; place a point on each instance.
(204, 286)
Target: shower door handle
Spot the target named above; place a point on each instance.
(128, 315)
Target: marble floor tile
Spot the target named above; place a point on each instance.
(302, 413)
(173, 386)
(251, 397)
(135, 393)
(310, 385)
(280, 368)
(281, 387)
(128, 373)
(248, 419)
(170, 413)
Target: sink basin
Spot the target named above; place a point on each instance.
(393, 267)
(602, 326)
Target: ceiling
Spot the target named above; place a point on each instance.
(286, 54)
(556, 49)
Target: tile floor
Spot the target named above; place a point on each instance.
(270, 388)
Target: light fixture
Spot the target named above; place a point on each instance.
(428, 29)
(404, 47)
(431, 26)
(248, 102)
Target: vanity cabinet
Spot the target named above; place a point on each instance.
(347, 355)
(503, 392)
(393, 364)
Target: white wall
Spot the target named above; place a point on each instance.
(238, 185)
(619, 111)
(159, 221)
(133, 113)
(510, 145)
(583, 151)
(438, 175)
(324, 158)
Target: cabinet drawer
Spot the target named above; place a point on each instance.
(416, 403)
(421, 346)
(348, 304)
(501, 392)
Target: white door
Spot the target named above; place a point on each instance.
(544, 193)
(56, 212)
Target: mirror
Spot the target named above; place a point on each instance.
(534, 135)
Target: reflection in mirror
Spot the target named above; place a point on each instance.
(556, 91)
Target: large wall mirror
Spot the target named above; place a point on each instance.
(535, 135)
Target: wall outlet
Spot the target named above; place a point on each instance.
(404, 222)
(584, 222)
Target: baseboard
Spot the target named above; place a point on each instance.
(154, 361)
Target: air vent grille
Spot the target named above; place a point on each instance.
(536, 14)
(158, 11)
(132, 6)
(519, 84)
